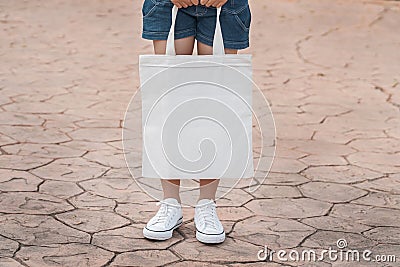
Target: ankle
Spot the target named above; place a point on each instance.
(206, 197)
(174, 197)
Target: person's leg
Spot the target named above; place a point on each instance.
(208, 187)
(204, 49)
(156, 27)
(171, 188)
(183, 46)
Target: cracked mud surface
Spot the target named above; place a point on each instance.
(330, 70)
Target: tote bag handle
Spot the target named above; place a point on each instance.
(218, 46)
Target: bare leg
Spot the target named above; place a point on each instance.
(182, 47)
(171, 188)
(208, 187)
(204, 49)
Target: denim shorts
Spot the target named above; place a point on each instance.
(198, 21)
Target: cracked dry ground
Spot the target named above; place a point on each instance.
(330, 70)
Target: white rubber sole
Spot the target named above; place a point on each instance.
(210, 239)
(164, 235)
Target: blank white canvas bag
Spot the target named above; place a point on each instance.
(196, 113)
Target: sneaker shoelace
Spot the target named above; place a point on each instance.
(163, 213)
(208, 216)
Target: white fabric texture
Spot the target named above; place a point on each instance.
(196, 113)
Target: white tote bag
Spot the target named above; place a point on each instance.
(196, 113)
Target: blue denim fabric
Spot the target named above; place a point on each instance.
(198, 21)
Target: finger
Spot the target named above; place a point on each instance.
(176, 3)
(214, 3)
(221, 3)
(210, 3)
(181, 3)
(195, 2)
(188, 3)
(203, 2)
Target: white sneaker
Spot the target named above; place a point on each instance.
(167, 219)
(209, 229)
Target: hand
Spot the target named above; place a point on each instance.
(185, 3)
(214, 3)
